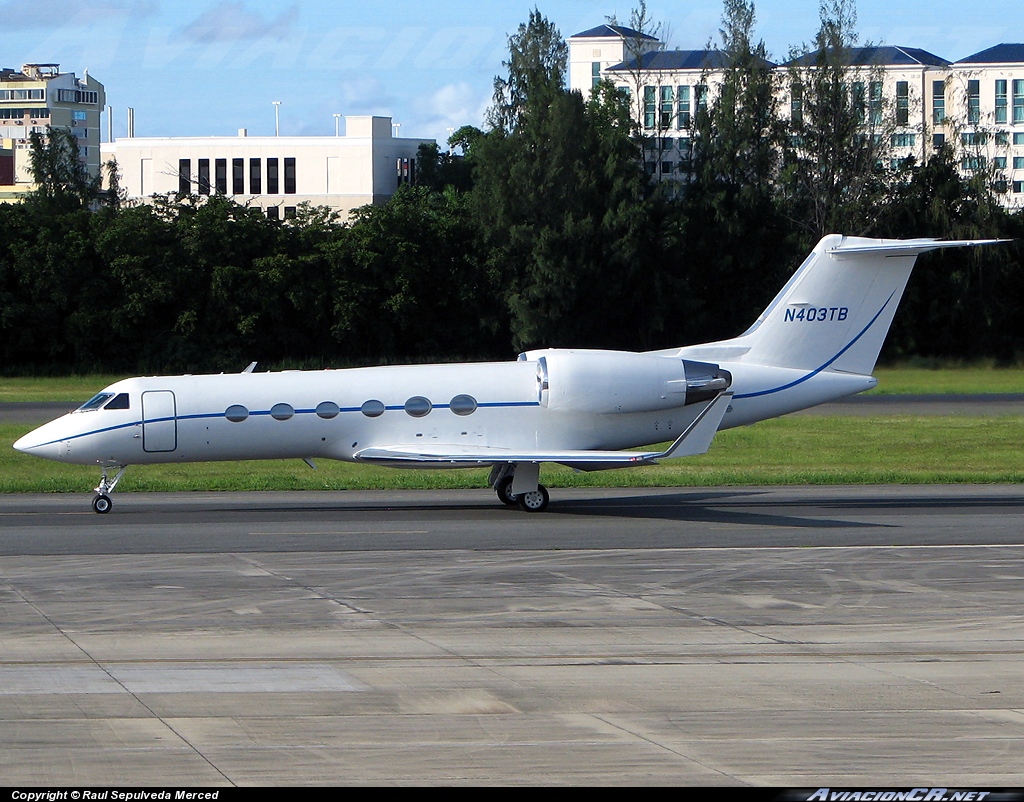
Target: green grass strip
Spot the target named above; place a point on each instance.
(889, 449)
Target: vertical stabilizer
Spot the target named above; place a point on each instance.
(835, 312)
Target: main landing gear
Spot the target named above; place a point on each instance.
(102, 503)
(533, 500)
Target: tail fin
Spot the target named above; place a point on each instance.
(835, 311)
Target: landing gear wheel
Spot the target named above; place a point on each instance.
(534, 500)
(504, 491)
(102, 504)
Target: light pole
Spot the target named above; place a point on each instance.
(277, 117)
(337, 125)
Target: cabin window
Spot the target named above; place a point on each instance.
(281, 411)
(327, 410)
(372, 409)
(120, 401)
(418, 406)
(463, 405)
(236, 413)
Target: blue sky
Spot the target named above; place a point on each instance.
(209, 67)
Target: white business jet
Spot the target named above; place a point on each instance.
(816, 342)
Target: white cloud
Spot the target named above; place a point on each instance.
(56, 14)
(231, 21)
(451, 106)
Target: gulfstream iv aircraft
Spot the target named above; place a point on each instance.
(816, 342)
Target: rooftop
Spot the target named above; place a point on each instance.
(612, 32)
(998, 54)
(881, 56)
(678, 60)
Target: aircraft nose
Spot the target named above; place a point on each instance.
(37, 444)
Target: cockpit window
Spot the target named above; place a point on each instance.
(120, 401)
(95, 402)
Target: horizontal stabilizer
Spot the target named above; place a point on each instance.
(908, 247)
(696, 439)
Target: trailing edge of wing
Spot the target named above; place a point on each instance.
(906, 247)
(696, 439)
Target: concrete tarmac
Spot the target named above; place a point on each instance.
(726, 636)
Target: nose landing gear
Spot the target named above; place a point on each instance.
(102, 503)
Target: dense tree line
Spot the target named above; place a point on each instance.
(545, 230)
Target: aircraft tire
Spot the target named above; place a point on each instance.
(505, 494)
(102, 504)
(535, 500)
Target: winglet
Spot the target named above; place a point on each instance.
(250, 368)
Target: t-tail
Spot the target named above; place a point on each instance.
(819, 339)
(835, 312)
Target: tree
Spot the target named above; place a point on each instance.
(736, 233)
(58, 172)
(837, 175)
(536, 73)
(558, 197)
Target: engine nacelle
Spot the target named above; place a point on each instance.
(621, 381)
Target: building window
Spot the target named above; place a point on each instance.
(1002, 139)
(289, 212)
(977, 138)
(683, 106)
(938, 102)
(902, 103)
(650, 106)
(1018, 139)
(973, 163)
(272, 182)
(184, 176)
(796, 103)
(938, 141)
(289, 176)
(858, 99)
(273, 213)
(875, 102)
(903, 140)
(1018, 186)
(701, 93)
(999, 162)
(595, 74)
(666, 107)
(1018, 104)
(221, 176)
(973, 102)
(255, 177)
(238, 176)
(1018, 162)
(204, 176)
(1001, 100)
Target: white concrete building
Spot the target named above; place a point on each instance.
(37, 96)
(275, 173)
(921, 101)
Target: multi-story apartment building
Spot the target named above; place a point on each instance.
(916, 100)
(37, 96)
(274, 173)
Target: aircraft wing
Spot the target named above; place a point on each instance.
(696, 439)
